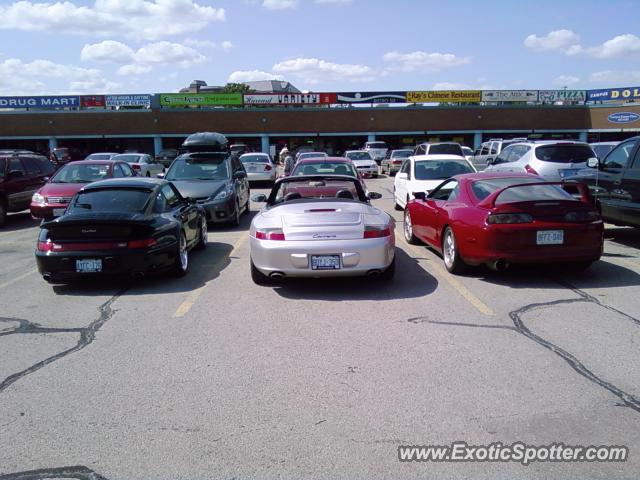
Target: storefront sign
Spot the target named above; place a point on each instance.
(510, 95)
(64, 101)
(551, 96)
(372, 97)
(289, 98)
(95, 101)
(199, 99)
(613, 94)
(128, 101)
(439, 96)
(623, 117)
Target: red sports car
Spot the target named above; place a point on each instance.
(499, 219)
(52, 199)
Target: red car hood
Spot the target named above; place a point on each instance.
(60, 189)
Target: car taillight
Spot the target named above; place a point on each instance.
(502, 218)
(529, 169)
(144, 243)
(45, 246)
(397, 162)
(375, 231)
(135, 166)
(582, 216)
(270, 234)
(267, 168)
(50, 246)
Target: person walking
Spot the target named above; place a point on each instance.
(283, 154)
(289, 163)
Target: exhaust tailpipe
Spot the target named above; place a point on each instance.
(498, 265)
(276, 275)
(373, 273)
(47, 276)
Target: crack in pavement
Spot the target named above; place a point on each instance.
(87, 335)
(76, 472)
(417, 320)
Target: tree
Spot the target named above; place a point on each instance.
(236, 88)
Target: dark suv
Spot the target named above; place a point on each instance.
(21, 175)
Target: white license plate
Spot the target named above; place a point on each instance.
(58, 212)
(550, 237)
(325, 262)
(89, 265)
(569, 172)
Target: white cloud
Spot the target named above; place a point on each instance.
(314, 70)
(167, 53)
(422, 61)
(226, 45)
(451, 86)
(279, 4)
(241, 76)
(567, 80)
(18, 77)
(613, 77)
(134, 69)
(333, 1)
(199, 43)
(622, 46)
(108, 51)
(143, 19)
(564, 40)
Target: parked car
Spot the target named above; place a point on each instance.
(511, 217)
(61, 155)
(490, 149)
(259, 167)
(303, 155)
(239, 148)
(363, 161)
(601, 149)
(439, 148)
(52, 199)
(614, 182)
(320, 226)
(392, 164)
(101, 156)
(468, 153)
(125, 226)
(166, 156)
(422, 173)
(326, 166)
(21, 175)
(552, 160)
(378, 150)
(143, 164)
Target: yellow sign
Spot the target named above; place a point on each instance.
(437, 96)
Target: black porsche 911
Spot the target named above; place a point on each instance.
(121, 227)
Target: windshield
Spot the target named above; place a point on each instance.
(440, 169)
(254, 159)
(316, 189)
(111, 200)
(359, 156)
(445, 149)
(128, 158)
(377, 145)
(209, 166)
(327, 168)
(81, 173)
(483, 188)
(568, 153)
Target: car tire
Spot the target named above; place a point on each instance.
(247, 206)
(388, 274)
(258, 277)
(396, 205)
(3, 212)
(202, 234)
(148, 174)
(450, 253)
(235, 220)
(181, 265)
(407, 229)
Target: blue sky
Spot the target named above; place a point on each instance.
(149, 46)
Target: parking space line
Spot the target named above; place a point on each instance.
(184, 308)
(18, 278)
(442, 274)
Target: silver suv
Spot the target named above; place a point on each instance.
(552, 160)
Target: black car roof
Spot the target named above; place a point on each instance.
(132, 182)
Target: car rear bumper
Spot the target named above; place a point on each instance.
(261, 176)
(357, 257)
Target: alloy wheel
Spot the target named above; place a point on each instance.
(449, 249)
(184, 254)
(408, 227)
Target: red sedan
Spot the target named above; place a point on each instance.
(54, 196)
(499, 219)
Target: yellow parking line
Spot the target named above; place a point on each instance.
(18, 278)
(442, 274)
(184, 308)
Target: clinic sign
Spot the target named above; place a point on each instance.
(128, 101)
(551, 96)
(59, 101)
(200, 99)
(614, 94)
(444, 96)
(290, 99)
(371, 97)
(510, 95)
(623, 117)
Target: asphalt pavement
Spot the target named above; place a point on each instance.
(212, 377)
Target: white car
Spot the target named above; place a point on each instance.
(259, 167)
(143, 164)
(363, 161)
(304, 155)
(422, 173)
(378, 150)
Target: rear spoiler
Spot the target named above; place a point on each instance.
(585, 195)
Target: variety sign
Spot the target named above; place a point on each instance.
(61, 101)
(371, 97)
(562, 96)
(199, 99)
(510, 95)
(128, 101)
(613, 94)
(289, 98)
(623, 117)
(438, 96)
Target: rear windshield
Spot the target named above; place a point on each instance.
(377, 145)
(111, 200)
(483, 188)
(359, 156)
(564, 153)
(199, 166)
(81, 173)
(325, 168)
(445, 149)
(128, 158)
(99, 156)
(440, 169)
(401, 153)
(254, 159)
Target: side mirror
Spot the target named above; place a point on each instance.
(374, 196)
(46, 179)
(420, 195)
(402, 175)
(15, 174)
(160, 175)
(259, 198)
(593, 163)
(239, 175)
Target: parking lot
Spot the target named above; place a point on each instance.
(211, 376)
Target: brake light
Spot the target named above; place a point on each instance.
(135, 166)
(397, 162)
(582, 216)
(45, 246)
(529, 169)
(49, 246)
(506, 218)
(144, 243)
(272, 234)
(374, 231)
(267, 168)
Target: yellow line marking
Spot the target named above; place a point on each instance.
(442, 274)
(184, 308)
(18, 278)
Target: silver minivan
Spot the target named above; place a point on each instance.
(552, 160)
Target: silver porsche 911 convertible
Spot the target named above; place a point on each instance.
(320, 226)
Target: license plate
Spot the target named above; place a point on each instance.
(89, 265)
(58, 212)
(569, 172)
(325, 262)
(550, 237)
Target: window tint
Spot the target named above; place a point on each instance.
(199, 166)
(483, 188)
(619, 156)
(16, 165)
(171, 196)
(80, 173)
(445, 149)
(444, 191)
(45, 165)
(567, 153)
(111, 200)
(401, 154)
(494, 148)
(126, 170)
(254, 159)
(517, 152)
(485, 149)
(30, 166)
(3, 164)
(602, 150)
(440, 169)
(503, 157)
(117, 171)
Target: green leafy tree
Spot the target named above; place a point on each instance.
(236, 88)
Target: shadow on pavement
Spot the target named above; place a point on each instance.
(76, 473)
(19, 221)
(627, 236)
(410, 281)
